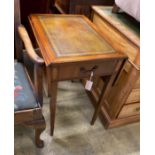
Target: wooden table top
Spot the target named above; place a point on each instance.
(69, 38)
(120, 21)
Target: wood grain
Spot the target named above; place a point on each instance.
(117, 39)
(126, 91)
(72, 48)
(28, 45)
(81, 51)
(130, 110)
(80, 40)
(127, 27)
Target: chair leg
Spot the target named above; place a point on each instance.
(39, 143)
(39, 126)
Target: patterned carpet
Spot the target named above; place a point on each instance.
(73, 133)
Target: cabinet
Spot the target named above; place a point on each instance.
(122, 104)
(79, 6)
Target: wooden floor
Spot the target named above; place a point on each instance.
(73, 133)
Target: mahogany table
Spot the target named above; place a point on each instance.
(72, 48)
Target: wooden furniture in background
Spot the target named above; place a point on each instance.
(79, 6)
(122, 105)
(28, 7)
(28, 97)
(72, 48)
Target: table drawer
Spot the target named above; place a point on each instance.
(82, 70)
(134, 96)
(130, 110)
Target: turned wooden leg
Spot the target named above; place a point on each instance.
(39, 143)
(53, 106)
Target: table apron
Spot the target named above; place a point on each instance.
(81, 70)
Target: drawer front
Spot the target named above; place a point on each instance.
(137, 85)
(127, 68)
(134, 96)
(116, 40)
(130, 110)
(83, 70)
